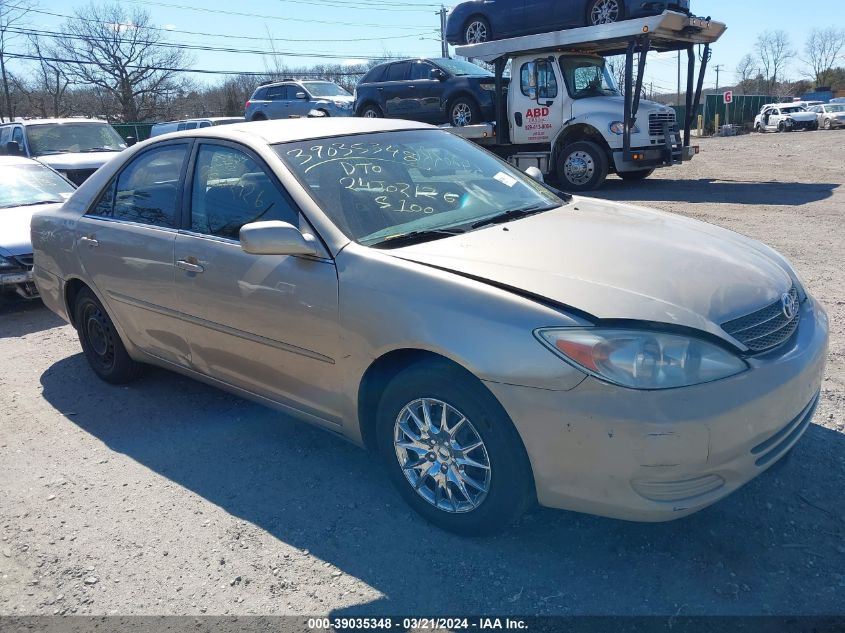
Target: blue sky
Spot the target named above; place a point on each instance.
(351, 29)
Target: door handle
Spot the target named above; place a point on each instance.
(189, 266)
(90, 241)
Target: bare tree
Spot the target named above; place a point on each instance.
(824, 48)
(773, 50)
(119, 54)
(12, 12)
(46, 87)
(746, 71)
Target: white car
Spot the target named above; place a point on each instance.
(830, 115)
(785, 117)
(26, 186)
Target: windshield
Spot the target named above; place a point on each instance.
(792, 109)
(375, 187)
(587, 77)
(325, 89)
(27, 184)
(461, 68)
(58, 138)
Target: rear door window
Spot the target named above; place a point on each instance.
(146, 191)
(398, 71)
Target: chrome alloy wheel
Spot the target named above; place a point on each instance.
(476, 32)
(442, 455)
(605, 12)
(579, 168)
(461, 114)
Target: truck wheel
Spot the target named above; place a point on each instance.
(371, 111)
(477, 30)
(464, 111)
(582, 166)
(604, 12)
(635, 175)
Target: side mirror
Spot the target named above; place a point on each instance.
(535, 173)
(13, 148)
(130, 141)
(438, 74)
(301, 95)
(276, 238)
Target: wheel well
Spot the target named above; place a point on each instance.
(582, 132)
(458, 95)
(258, 117)
(379, 374)
(476, 16)
(368, 102)
(72, 288)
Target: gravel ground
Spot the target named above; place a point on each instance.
(170, 497)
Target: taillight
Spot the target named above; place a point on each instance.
(247, 104)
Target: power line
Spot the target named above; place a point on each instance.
(199, 71)
(194, 46)
(228, 35)
(265, 17)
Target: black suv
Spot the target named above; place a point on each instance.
(430, 90)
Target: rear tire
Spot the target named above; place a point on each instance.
(258, 117)
(371, 111)
(635, 175)
(502, 484)
(100, 341)
(477, 30)
(582, 166)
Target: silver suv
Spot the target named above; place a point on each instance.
(292, 98)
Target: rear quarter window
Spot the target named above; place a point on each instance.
(375, 75)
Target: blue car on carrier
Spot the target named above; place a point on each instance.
(477, 21)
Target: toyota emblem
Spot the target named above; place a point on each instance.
(789, 305)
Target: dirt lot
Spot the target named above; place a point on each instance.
(169, 497)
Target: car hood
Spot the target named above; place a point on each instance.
(802, 116)
(615, 105)
(14, 227)
(88, 160)
(614, 261)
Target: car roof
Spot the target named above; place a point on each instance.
(7, 161)
(55, 121)
(292, 130)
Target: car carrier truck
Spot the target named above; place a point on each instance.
(563, 113)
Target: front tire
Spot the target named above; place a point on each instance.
(451, 450)
(582, 166)
(827, 124)
(464, 111)
(476, 30)
(604, 12)
(371, 111)
(635, 175)
(100, 341)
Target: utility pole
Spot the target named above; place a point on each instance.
(679, 78)
(444, 46)
(718, 68)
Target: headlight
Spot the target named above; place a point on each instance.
(641, 359)
(6, 263)
(618, 127)
(490, 87)
(343, 105)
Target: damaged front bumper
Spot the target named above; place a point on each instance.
(18, 281)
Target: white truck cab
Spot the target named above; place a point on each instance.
(566, 116)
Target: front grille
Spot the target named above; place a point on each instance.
(78, 176)
(656, 121)
(766, 328)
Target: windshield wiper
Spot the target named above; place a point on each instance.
(30, 204)
(514, 214)
(99, 149)
(54, 151)
(415, 237)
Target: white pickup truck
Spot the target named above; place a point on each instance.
(565, 115)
